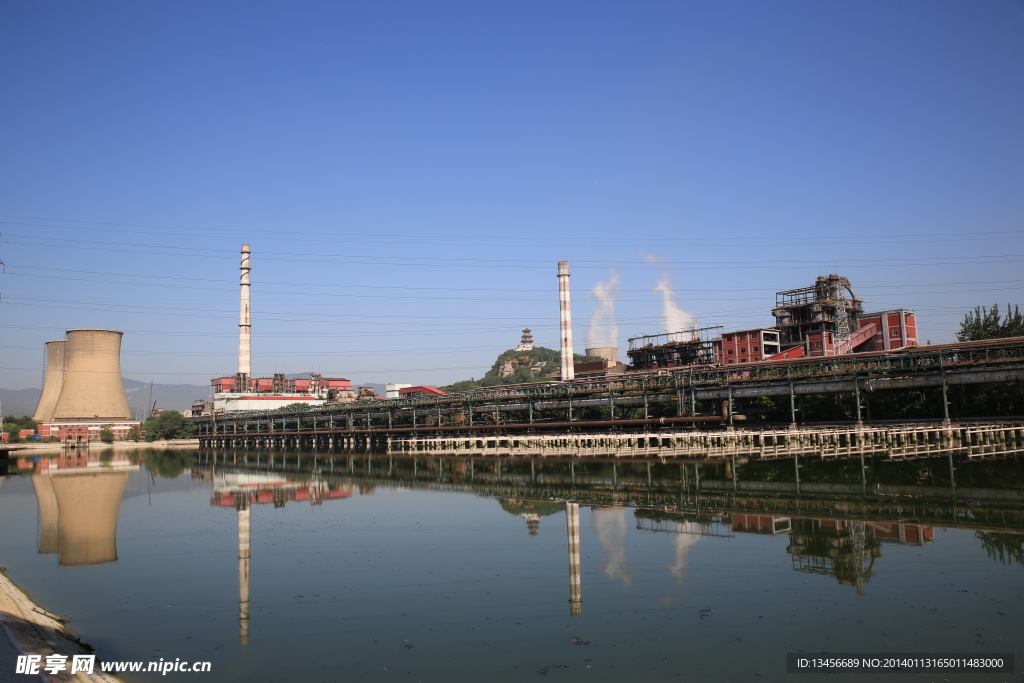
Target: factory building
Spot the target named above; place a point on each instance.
(745, 346)
(878, 332)
(818, 308)
(270, 393)
(824, 319)
(391, 390)
(242, 391)
(673, 349)
(421, 391)
(82, 390)
(892, 330)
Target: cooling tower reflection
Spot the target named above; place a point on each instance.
(78, 509)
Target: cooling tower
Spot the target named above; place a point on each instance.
(49, 516)
(89, 505)
(609, 353)
(55, 351)
(92, 388)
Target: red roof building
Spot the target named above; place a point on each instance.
(421, 391)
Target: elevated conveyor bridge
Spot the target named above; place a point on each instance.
(663, 398)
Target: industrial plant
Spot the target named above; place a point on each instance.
(825, 319)
(82, 388)
(243, 392)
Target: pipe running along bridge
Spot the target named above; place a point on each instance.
(681, 396)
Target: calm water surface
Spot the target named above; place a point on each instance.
(441, 571)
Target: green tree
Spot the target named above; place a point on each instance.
(134, 434)
(107, 434)
(170, 424)
(169, 463)
(23, 422)
(12, 425)
(985, 323)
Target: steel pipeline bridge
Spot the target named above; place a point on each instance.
(599, 404)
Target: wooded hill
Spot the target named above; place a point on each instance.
(518, 367)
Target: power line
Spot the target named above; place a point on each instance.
(529, 240)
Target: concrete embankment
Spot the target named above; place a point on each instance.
(27, 629)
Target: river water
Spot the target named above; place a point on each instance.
(376, 568)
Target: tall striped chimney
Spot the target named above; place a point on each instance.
(244, 326)
(566, 320)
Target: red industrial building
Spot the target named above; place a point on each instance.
(809, 322)
(421, 391)
(314, 384)
(746, 346)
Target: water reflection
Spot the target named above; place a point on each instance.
(244, 533)
(691, 501)
(79, 498)
(432, 559)
(572, 522)
(1004, 547)
(243, 490)
(532, 511)
(848, 549)
(610, 525)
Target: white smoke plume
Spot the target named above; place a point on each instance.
(676, 319)
(604, 330)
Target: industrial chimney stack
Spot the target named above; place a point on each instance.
(244, 327)
(566, 320)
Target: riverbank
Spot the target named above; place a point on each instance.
(21, 449)
(29, 630)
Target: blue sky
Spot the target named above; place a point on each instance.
(409, 173)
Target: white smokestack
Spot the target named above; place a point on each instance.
(566, 320)
(604, 331)
(244, 324)
(676, 319)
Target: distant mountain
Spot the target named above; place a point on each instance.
(167, 396)
(18, 402)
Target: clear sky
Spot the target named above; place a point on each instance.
(409, 173)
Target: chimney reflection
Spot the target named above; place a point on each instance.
(244, 519)
(572, 519)
(78, 515)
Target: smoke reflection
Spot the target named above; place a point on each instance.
(611, 527)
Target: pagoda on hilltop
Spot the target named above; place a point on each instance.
(526, 343)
